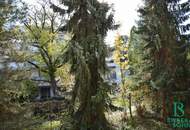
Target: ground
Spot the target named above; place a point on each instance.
(136, 123)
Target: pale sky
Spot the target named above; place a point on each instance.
(125, 14)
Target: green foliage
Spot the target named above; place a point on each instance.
(86, 53)
(137, 62)
(102, 94)
(49, 125)
(144, 124)
(43, 47)
(28, 90)
(154, 51)
(10, 108)
(158, 52)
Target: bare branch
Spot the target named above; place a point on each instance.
(37, 67)
(44, 53)
(47, 55)
(30, 29)
(44, 17)
(61, 24)
(43, 56)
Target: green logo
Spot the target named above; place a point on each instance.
(178, 120)
(179, 109)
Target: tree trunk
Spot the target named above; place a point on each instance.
(90, 114)
(164, 113)
(53, 83)
(123, 94)
(91, 117)
(130, 110)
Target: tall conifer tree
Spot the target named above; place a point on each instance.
(160, 26)
(89, 22)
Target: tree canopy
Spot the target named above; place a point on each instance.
(55, 66)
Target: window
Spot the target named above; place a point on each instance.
(45, 92)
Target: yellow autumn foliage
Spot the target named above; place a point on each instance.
(120, 52)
